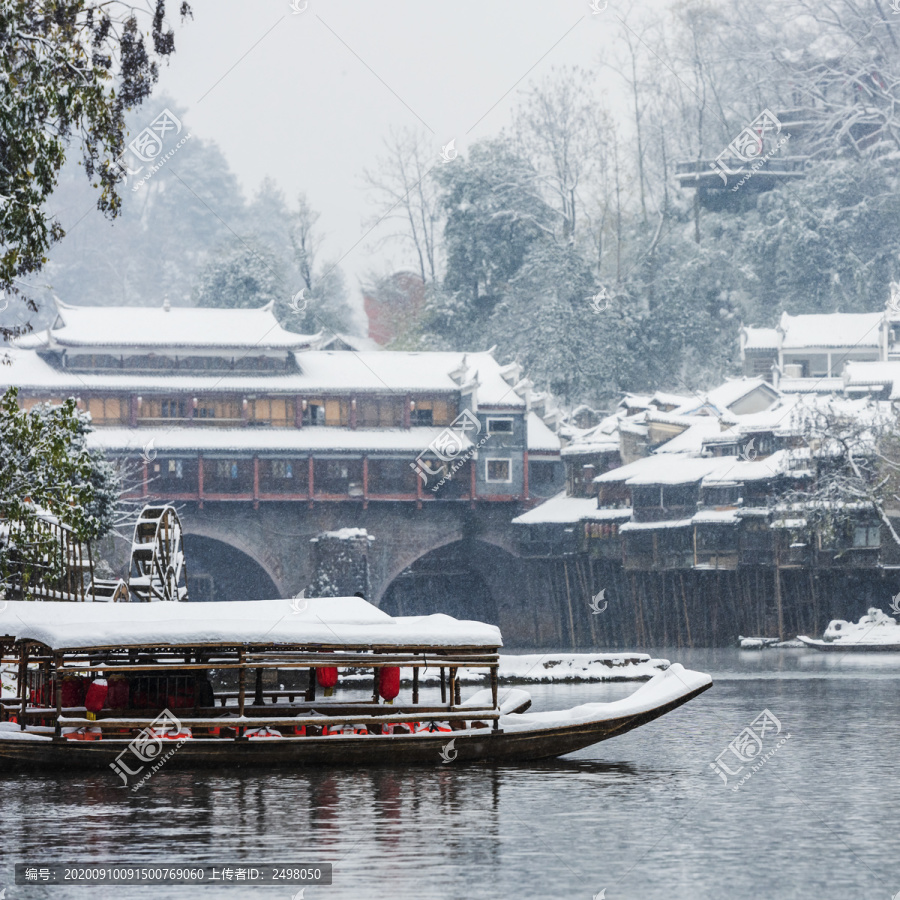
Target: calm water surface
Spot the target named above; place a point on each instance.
(641, 816)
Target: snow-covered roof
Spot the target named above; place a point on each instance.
(761, 338)
(169, 327)
(334, 621)
(558, 510)
(383, 371)
(873, 375)
(810, 385)
(563, 510)
(722, 398)
(602, 438)
(654, 526)
(667, 469)
(540, 438)
(272, 440)
(692, 439)
(399, 370)
(831, 330)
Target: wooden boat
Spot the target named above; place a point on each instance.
(156, 663)
(875, 632)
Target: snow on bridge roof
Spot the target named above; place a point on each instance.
(334, 621)
(404, 370)
(261, 440)
(382, 371)
(164, 327)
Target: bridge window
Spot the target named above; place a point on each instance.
(380, 412)
(106, 410)
(225, 411)
(282, 476)
(337, 412)
(227, 476)
(91, 361)
(338, 476)
(314, 414)
(433, 412)
(173, 476)
(274, 411)
(499, 470)
(391, 476)
(173, 409)
(151, 361)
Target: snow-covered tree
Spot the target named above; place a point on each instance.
(70, 68)
(47, 472)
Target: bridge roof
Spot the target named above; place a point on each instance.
(168, 439)
(167, 328)
(333, 621)
(321, 372)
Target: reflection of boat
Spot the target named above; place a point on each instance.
(874, 632)
(116, 684)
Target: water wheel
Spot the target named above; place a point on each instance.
(158, 569)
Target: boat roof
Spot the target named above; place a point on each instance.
(349, 622)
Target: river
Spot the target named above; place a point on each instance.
(643, 816)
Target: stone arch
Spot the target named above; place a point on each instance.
(468, 578)
(219, 570)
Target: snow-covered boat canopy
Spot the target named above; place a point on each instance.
(341, 622)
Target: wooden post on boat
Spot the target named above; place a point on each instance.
(23, 684)
(311, 686)
(443, 687)
(415, 685)
(495, 683)
(258, 689)
(457, 692)
(242, 691)
(57, 682)
(452, 686)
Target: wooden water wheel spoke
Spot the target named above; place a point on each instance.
(158, 570)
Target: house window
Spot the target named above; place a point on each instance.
(500, 426)
(499, 470)
(423, 417)
(176, 468)
(867, 536)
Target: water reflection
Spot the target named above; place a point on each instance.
(640, 815)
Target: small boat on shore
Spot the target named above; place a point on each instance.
(126, 685)
(875, 632)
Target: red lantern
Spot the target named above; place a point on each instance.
(96, 697)
(327, 677)
(117, 698)
(389, 683)
(73, 688)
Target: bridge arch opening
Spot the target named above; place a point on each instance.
(219, 571)
(463, 579)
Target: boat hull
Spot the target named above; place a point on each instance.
(845, 647)
(471, 746)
